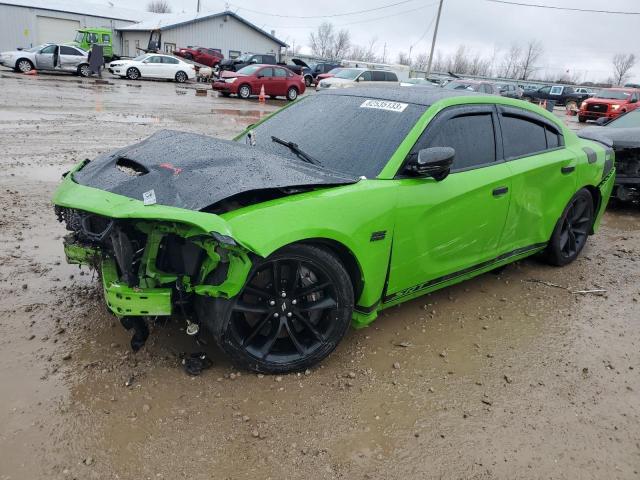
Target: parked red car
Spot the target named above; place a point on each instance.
(609, 103)
(278, 82)
(205, 56)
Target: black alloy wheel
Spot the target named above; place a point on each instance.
(572, 230)
(292, 312)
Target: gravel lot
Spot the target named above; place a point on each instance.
(501, 377)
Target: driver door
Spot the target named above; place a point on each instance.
(44, 58)
(446, 229)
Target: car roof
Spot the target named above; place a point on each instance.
(403, 94)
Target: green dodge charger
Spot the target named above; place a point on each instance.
(332, 209)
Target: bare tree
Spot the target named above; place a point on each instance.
(622, 64)
(341, 44)
(321, 41)
(403, 58)
(532, 53)
(159, 6)
(368, 53)
(421, 61)
(510, 66)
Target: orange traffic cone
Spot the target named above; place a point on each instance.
(31, 72)
(262, 98)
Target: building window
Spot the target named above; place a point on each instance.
(234, 54)
(137, 47)
(126, 49)
(169, 47)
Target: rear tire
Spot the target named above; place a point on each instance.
(308, 80)
(133, 73)
(84, 70)
(292, 94)
(572, 230)
(294, 309)
(181, 77)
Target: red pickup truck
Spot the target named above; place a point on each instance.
(609, 103)
(205, 56)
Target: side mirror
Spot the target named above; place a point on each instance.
(633, 100)
(432, 162)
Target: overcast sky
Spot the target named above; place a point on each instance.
(583, 43)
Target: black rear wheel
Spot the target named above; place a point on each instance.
(292, 312)
(570, 234)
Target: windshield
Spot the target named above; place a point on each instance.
(140, 58)
(614, 95)
(628, 120)
(35, 49)
(335, 71)
(249, 69)
(354, 139)
(79, 37)
(458, 86)
(349, 73)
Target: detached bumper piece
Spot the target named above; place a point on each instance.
(123, 300)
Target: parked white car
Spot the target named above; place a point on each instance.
(153, 65)
(48, 57)
(351, 77)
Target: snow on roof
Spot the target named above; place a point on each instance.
(103, 9)
(168, 20)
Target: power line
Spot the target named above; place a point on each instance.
(553, 7)
(356, 12)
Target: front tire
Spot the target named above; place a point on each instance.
(181, 77)
(293, 311)
(582, 119)
(570, 234)
(244, 91)
(24, 65)
(133, 73)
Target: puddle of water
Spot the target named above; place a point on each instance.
(43, 173)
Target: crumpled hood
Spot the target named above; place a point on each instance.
(192, 171)
(619, 137)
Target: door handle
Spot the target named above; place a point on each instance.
(567, 170)
(499, 191)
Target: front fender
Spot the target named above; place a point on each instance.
(349, 215)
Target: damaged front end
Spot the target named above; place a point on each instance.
(152, 268)
(627, 186)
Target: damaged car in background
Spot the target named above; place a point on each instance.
(279, 240)
(623, 134)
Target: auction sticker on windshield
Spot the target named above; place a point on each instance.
(384, 105)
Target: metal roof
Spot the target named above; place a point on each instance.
(415, 94)
(169, 21)
(83, 8)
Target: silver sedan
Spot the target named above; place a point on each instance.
(51, 57)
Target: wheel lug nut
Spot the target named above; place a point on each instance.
(276, 315)
(289, 314)
(294, 302)
(284, 295)
(272, 302)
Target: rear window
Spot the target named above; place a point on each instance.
(522, 137)
(390, 77)
(354, 139)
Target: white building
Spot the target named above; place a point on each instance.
(26, 23)
(226, 31)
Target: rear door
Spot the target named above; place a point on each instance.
(279, 81)
(449, 228)
(543, 177)
(70, 58)
(170, 67)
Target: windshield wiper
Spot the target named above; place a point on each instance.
(297, 150)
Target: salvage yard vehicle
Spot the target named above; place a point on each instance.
(87, 37)
(609, 103)
(277, 82)
(509, 90)
(623, 133)
(238, 63)
(473, 86)
(206, 56)
(153, 65)
(279, 240)
(48, 57)
(562, 95)
(351, 77)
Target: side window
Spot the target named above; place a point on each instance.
(155, 59)
(556, 91)
(365, 76)
(64, 50)
(377, 76)
(521, 136)
(472, 136)
(106, 38)
(257, 58)
(545, 90)
(49, 49)
(169, 60)
(266, 72)
(391, 77)
(93, 38)
(268, 59)
(553, 139)
(279, 72)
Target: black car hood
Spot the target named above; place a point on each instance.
(300, 63)
(618, 137)
(192, 171)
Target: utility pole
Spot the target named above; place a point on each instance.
(198, 8)
(433, 42)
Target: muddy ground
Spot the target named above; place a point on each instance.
(500, 377)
